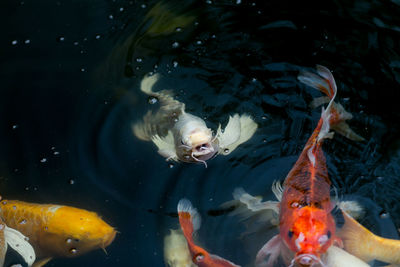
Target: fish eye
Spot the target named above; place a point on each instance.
(199, 257)
(290, 234)
(329, 234)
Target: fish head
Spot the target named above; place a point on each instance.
(71, 232)
(309, 234)
(201, 257)
(200, 142)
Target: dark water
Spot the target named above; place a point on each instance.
(70, 73)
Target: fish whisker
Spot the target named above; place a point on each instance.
(199, 160)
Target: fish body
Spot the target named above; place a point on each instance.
(55, 230)
(176, 251)
(189, 220)
(181, 136)
(306, 225)
(367, 246)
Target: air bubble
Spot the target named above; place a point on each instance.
(15, 126)
(61, 39)
(73, 251)
(23, 221)
(139, 60)
(98, 36)
(68, 241)
(14, 42)
(152, 100)
(175, 45)
(43, 160)
(27, 41)
(171, 165)
(226, 150)
(178, 29)
(384, 215)
(71, 181)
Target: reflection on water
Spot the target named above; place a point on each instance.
(70, 92)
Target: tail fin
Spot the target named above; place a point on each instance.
(335, 115)
(189, 218)
(146, 86)
(324, 82)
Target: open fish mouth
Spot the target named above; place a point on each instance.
(307, 260)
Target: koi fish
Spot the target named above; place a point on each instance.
(176, 250)
(181, 136)
(190, 221)
(306, 225)
(367, 246)
(57, 231)
(17, 241)
(261, 213)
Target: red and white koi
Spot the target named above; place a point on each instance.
(190, 221)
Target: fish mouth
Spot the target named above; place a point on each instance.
(307, 259)
(109, 238)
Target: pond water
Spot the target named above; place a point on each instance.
(70, 73)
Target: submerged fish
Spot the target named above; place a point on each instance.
(367, 246)
(57, 231)
(185, 137)
(17, 241)
(267, 212)
(190, 221)
(176, 250)
(306, 225)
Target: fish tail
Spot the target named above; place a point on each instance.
(335, 115)
(189, 218)
(324, 81)
(147, 84)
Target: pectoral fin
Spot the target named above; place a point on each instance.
(344, 129)
(231, 133)
(166, 146)
(18, 242)
(41, 262)
(254, 203)
(269, 253)
(238, 130)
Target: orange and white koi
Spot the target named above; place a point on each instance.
(306, 225)
(181, 136)
(55, 230)
(190, 221)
